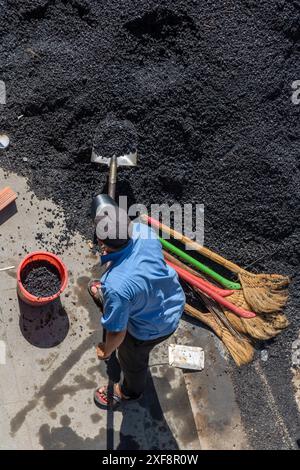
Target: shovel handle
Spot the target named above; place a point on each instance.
(112, 183)
(112, 179)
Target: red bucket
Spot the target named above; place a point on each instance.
(54, 261)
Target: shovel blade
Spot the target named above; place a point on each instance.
(115, 138)
(124, 160)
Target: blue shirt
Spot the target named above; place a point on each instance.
(141, 292)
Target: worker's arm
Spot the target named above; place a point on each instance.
(114, 320)
(112, 342)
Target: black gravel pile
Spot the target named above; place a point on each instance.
(208, 86)
(41, 279)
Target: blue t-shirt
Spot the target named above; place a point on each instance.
(141, 292)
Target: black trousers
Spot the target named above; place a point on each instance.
(133, 355)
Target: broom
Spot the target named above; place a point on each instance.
(202, 267)
(196, 276)
(216, 310)
(197, 282)
(262, 327)
(265, 293)
(240, 349)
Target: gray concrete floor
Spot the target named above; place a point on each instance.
(50, 369)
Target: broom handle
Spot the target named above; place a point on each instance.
(202, 267)
(206, 290)
(196, 246)
(217, 290)
(196, 274)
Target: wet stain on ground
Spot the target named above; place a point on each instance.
(83, 299)
(93, 370)
(96, 418)
(65, 420)
(57, 395)
(65, 438)
(48, 388)
(20, 417)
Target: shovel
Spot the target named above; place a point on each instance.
(115, 144)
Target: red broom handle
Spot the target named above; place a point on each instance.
(208, 291)
(217, 290)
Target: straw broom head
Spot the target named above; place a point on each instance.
(261, 327)
(240, 350)
(265, 293)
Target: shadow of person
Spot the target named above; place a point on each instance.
(65, 438)
(43, 327)
(144, 425)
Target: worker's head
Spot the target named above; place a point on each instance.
(112, 227)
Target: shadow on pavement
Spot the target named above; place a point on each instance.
(43, 327)
(143, 425)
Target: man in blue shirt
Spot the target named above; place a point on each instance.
(142, 304)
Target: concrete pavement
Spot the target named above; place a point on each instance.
(51, 370)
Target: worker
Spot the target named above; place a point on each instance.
(141, 301)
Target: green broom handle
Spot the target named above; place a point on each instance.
(205, 269)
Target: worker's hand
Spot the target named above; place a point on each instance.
(100, 350)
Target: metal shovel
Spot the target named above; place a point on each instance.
(108, 130)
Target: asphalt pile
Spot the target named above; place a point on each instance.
(208, 88)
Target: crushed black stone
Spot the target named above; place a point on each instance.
(207, 86)
(113, 137)
(41, 279)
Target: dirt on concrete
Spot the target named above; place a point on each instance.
(208, 87)
(41, 279)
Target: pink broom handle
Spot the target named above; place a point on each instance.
(208, 291)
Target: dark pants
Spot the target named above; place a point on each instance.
(133, 355)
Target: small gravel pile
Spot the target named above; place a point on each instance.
(41, 279)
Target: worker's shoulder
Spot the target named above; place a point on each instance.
(117, 284)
